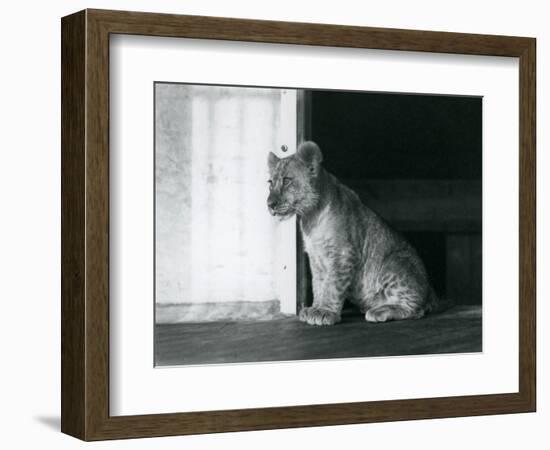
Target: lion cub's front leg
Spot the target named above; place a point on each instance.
(330, 285)
(313, 315)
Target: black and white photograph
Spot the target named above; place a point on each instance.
(259, 226)
(299, 224)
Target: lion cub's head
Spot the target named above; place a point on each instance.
(293, 183)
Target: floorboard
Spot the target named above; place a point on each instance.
(455, 331)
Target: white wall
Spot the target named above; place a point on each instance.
(30, 172)
(214, 238)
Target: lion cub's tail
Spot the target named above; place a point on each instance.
(437, 304)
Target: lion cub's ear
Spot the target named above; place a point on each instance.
(310, 153)
(272, 160)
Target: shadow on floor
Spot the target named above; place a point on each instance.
(52, 422)
(455, 331)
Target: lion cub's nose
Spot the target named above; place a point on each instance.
(271, 203)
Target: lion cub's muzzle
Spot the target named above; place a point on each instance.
(277, 209)
(273, 204)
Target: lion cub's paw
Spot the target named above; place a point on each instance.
(318, 316)
(378, 315)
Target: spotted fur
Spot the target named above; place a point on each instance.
(353, 253)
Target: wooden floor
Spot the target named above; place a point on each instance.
(455, 331)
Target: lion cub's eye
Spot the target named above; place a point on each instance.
(270, 182)
(287, 181)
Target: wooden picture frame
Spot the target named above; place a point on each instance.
(85, 224)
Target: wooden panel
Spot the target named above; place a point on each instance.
(424, 205)
(303, 133)
(463, 266)
(476, 267)
(268, 31)
(73, 271)
(96, 308)
(286, 253)
(527, 224)
(457, 330)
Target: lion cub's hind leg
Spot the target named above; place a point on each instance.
(386, 313)
(397, 300)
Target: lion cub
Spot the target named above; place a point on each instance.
(353, 253)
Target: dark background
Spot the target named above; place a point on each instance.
(417, 161)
